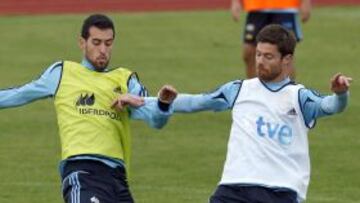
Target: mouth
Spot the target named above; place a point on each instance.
(261, 69)
(102, 59)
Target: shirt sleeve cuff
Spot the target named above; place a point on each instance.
(343, 94)
(163, 106)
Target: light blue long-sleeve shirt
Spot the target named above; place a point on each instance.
(313, 105)
(46, 86)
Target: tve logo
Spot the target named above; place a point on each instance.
(281, 132)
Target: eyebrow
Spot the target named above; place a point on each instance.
(103, 39)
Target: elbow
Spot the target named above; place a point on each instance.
(341, 109)
(158, 123)
(158, 127)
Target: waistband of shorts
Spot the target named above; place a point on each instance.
(91, 166)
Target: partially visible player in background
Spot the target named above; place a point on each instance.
(94, 105)
(265, 12)
(268, 159)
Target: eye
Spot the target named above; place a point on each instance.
(269, 56)
(109, 42)
(96, 42)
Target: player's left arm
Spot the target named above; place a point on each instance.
(315, 106)
(153, 110)
(305, 10)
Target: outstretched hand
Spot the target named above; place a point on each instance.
(340, 83)
(124, 100)
(167, 94)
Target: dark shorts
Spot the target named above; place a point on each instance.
(86, 181)
(255, 21)
(252, 194)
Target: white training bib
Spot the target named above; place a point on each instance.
(268, 142)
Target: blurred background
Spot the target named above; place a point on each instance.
(194, 45)
(70, 6)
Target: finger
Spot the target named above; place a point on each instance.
(167, 93)
(170, 88)
(115, 102)
(134, 101)
(119, 106)
(336, 77)
(343, 80)
(340, 80)
(137, 100)
(347, 81)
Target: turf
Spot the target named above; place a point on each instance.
(196, 52)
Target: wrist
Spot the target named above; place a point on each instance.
(163, 106)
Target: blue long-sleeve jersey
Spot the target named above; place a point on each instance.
(46, 86)
(312, 103)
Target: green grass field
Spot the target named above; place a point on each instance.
(194, 51)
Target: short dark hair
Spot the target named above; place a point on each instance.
(278, 35)
(98, 20)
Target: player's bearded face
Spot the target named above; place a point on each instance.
(269, 63)
(98, 47)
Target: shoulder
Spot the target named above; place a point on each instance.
(120, 69)
(309, 93)
(227, 87)
(231, 84)
(54, 67)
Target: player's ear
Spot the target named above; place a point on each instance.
(287, 59)
(82, 42)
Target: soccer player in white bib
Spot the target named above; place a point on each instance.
(268, 158)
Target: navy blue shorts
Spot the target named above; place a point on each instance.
(255, 21)
(252, 194)
(87, 181)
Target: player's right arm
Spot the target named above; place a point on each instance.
(305, 10)
(43, 87)
(235, 9)
(221, 99)
(155, 111)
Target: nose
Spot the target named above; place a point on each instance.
(102, 48)
(259, 59)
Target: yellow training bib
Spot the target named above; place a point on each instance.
(87, 124)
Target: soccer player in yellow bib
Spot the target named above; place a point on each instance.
(93, 106)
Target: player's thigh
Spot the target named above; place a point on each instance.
(121, 189)
(255, 21)
(289, 21)
(84, 187)
(227, 194)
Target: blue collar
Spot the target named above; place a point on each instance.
(90, 66)
(276, 86)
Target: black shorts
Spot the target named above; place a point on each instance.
(87, 181)
(252, 194)
(255, 21)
